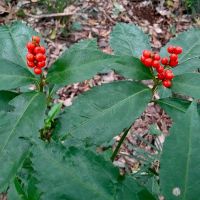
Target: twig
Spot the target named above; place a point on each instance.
(50, 15)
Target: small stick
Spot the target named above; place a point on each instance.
(50, 15)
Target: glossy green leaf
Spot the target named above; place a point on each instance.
(13, 70)
(164, 92)
(190, 58)
(5, 97)
(174, 107)
(13, 193)
(181, 158)
(24, 122)
(13, 76)
(103, 112)
(127, 39)
(16, 191)
(80, 174)
(82, 62)
(187, 84)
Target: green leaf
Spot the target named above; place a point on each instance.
(13, 76)
(83, 61)
(85, 44)
(13, 193)
(5, 97)
(164, 92)
(129, 40)
(190, 58)
(174, 107)
(187, 84)
(25, 121)
(13, 70)
(181, 158)
(79, 174)
(103, 112)
(16, 191)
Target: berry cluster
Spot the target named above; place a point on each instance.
(150, 59)
(36, 57)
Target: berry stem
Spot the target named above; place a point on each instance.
(41, 83)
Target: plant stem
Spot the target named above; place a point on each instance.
(42, 83)
(120, 144)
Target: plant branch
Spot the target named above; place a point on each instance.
(50, 15)
(119, 144)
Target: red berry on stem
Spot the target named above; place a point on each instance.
(36, 39)
(178, 50)
(37, 70)
(169, 74)
(167, 83)
(30, 57)
(142, 59)
(155, 64)
(42, 50)
(170, 49)
(147, 53)
(173, 57)
(44, 57)
(37, 50)
(148, 62)
(161, 76)
(39, 57)
(173, 63)
(30, 64)
(41, 64)
(30, 46)
(164, 61)
(160, 69)
(156, 56)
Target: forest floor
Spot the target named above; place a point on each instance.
(95, 19)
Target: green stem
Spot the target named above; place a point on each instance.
(41, 83)
(119, 144)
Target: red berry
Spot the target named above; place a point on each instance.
(36, 39)
(37, 70)
(39, 57)
(161, 76)
(44, 57)
(170, 49)
(142, 58)
(167, 83)
(155, 64)
(41, 64)
(37, 50)
(147, 53)
(169, 74)
(160, 69)
(30, 64)
(30, 57)
(156, 56)
(173, 63)
(173, 57)
(30, 46)
(164, 61)
(148, 62)
(42, 50)
(178, 50)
